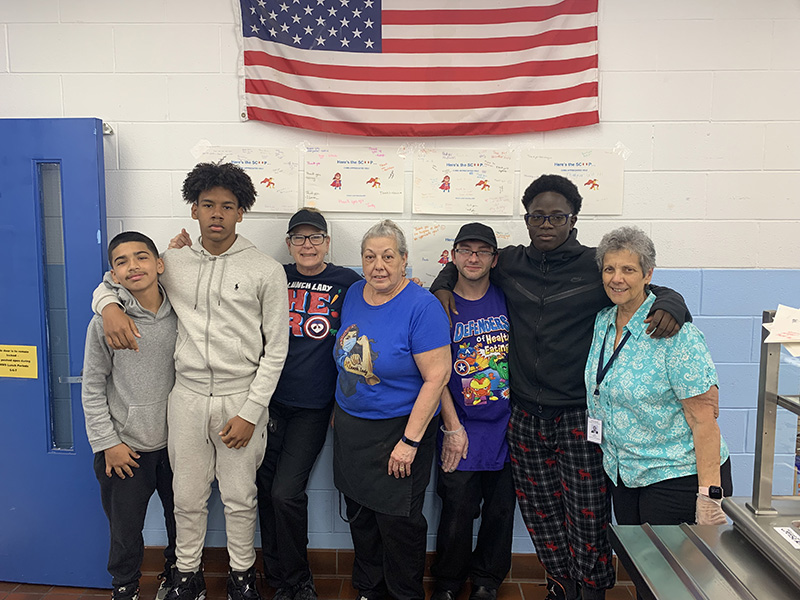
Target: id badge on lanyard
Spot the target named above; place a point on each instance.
(594, 430)
(594, 427)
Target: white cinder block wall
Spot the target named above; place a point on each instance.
(705, 94)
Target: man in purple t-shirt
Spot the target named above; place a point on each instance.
(472, 443)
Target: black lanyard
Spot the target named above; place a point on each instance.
(601, 370)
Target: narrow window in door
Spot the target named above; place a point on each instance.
(55, 296)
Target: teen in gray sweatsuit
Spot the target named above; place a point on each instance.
(125, 402)
(232, 312)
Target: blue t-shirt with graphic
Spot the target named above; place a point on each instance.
(374, 351)
(315, 304)
(479, 379)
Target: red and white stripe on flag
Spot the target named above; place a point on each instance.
(421, 67)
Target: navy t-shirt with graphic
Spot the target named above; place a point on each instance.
(308, 378)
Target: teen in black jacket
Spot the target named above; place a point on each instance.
(553, 291)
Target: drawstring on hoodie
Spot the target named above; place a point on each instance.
(221, 281)
(197, 285)
(221, 278)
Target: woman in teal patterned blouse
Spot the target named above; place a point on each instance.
(653, 403)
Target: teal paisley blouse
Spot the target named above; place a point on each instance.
(646, 438)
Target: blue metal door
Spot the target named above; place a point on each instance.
(52, 194)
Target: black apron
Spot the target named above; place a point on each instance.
(361, 450)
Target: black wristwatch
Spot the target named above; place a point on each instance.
(411, 443)
(713, 491)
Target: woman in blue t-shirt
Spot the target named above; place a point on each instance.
(393, 358)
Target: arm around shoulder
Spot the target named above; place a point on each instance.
(104, 294)
(446, 279)
(672, 302)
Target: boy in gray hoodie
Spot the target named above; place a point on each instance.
(124, 398)
(232, 312)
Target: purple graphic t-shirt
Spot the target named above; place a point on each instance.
(479, 380)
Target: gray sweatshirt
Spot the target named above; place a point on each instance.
(124, 393)
(233, 313)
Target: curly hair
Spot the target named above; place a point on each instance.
(226, 175)
(554, 183)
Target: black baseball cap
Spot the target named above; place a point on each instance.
(476, 231)
(308, 217)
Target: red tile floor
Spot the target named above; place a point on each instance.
(331, 570)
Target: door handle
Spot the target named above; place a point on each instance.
(77, 379)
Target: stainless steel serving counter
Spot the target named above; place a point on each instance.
(698, 562)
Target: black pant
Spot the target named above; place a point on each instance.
(125, 504)
(461, 493)
(668, 502)
(389, 550)
(294, 440)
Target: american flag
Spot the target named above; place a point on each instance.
(421, 67)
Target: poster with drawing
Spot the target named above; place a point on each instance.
(598, 174)
(274, 172)
(463, 182)
(354, 180)
(432, 243)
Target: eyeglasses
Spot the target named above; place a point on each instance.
(557, 220)
(480, 253)
(298, 240)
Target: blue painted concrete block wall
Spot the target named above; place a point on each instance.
(727, 306)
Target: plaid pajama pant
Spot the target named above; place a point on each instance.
(563, 495)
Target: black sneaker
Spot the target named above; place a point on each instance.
(562, 588)
(242, 585)
(483, 592)
(306, 590)
(284, 593)
(166, 581)
(187, 586)
(126, 592)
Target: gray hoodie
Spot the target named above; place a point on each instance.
(233, 313)
(124, 393)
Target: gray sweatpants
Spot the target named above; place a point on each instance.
(198, 455)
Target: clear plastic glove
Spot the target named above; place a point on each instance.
(709, 511)
(454, 448)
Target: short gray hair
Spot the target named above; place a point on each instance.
(633, 240)
(386, 229)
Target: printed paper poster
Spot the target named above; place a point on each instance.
(354, 180)
(274, 172)
(463, 182)
(597, 173)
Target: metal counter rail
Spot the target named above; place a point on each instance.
(768, 402)
(670, 562)
(762, 519)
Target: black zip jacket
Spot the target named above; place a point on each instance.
(553, 298)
